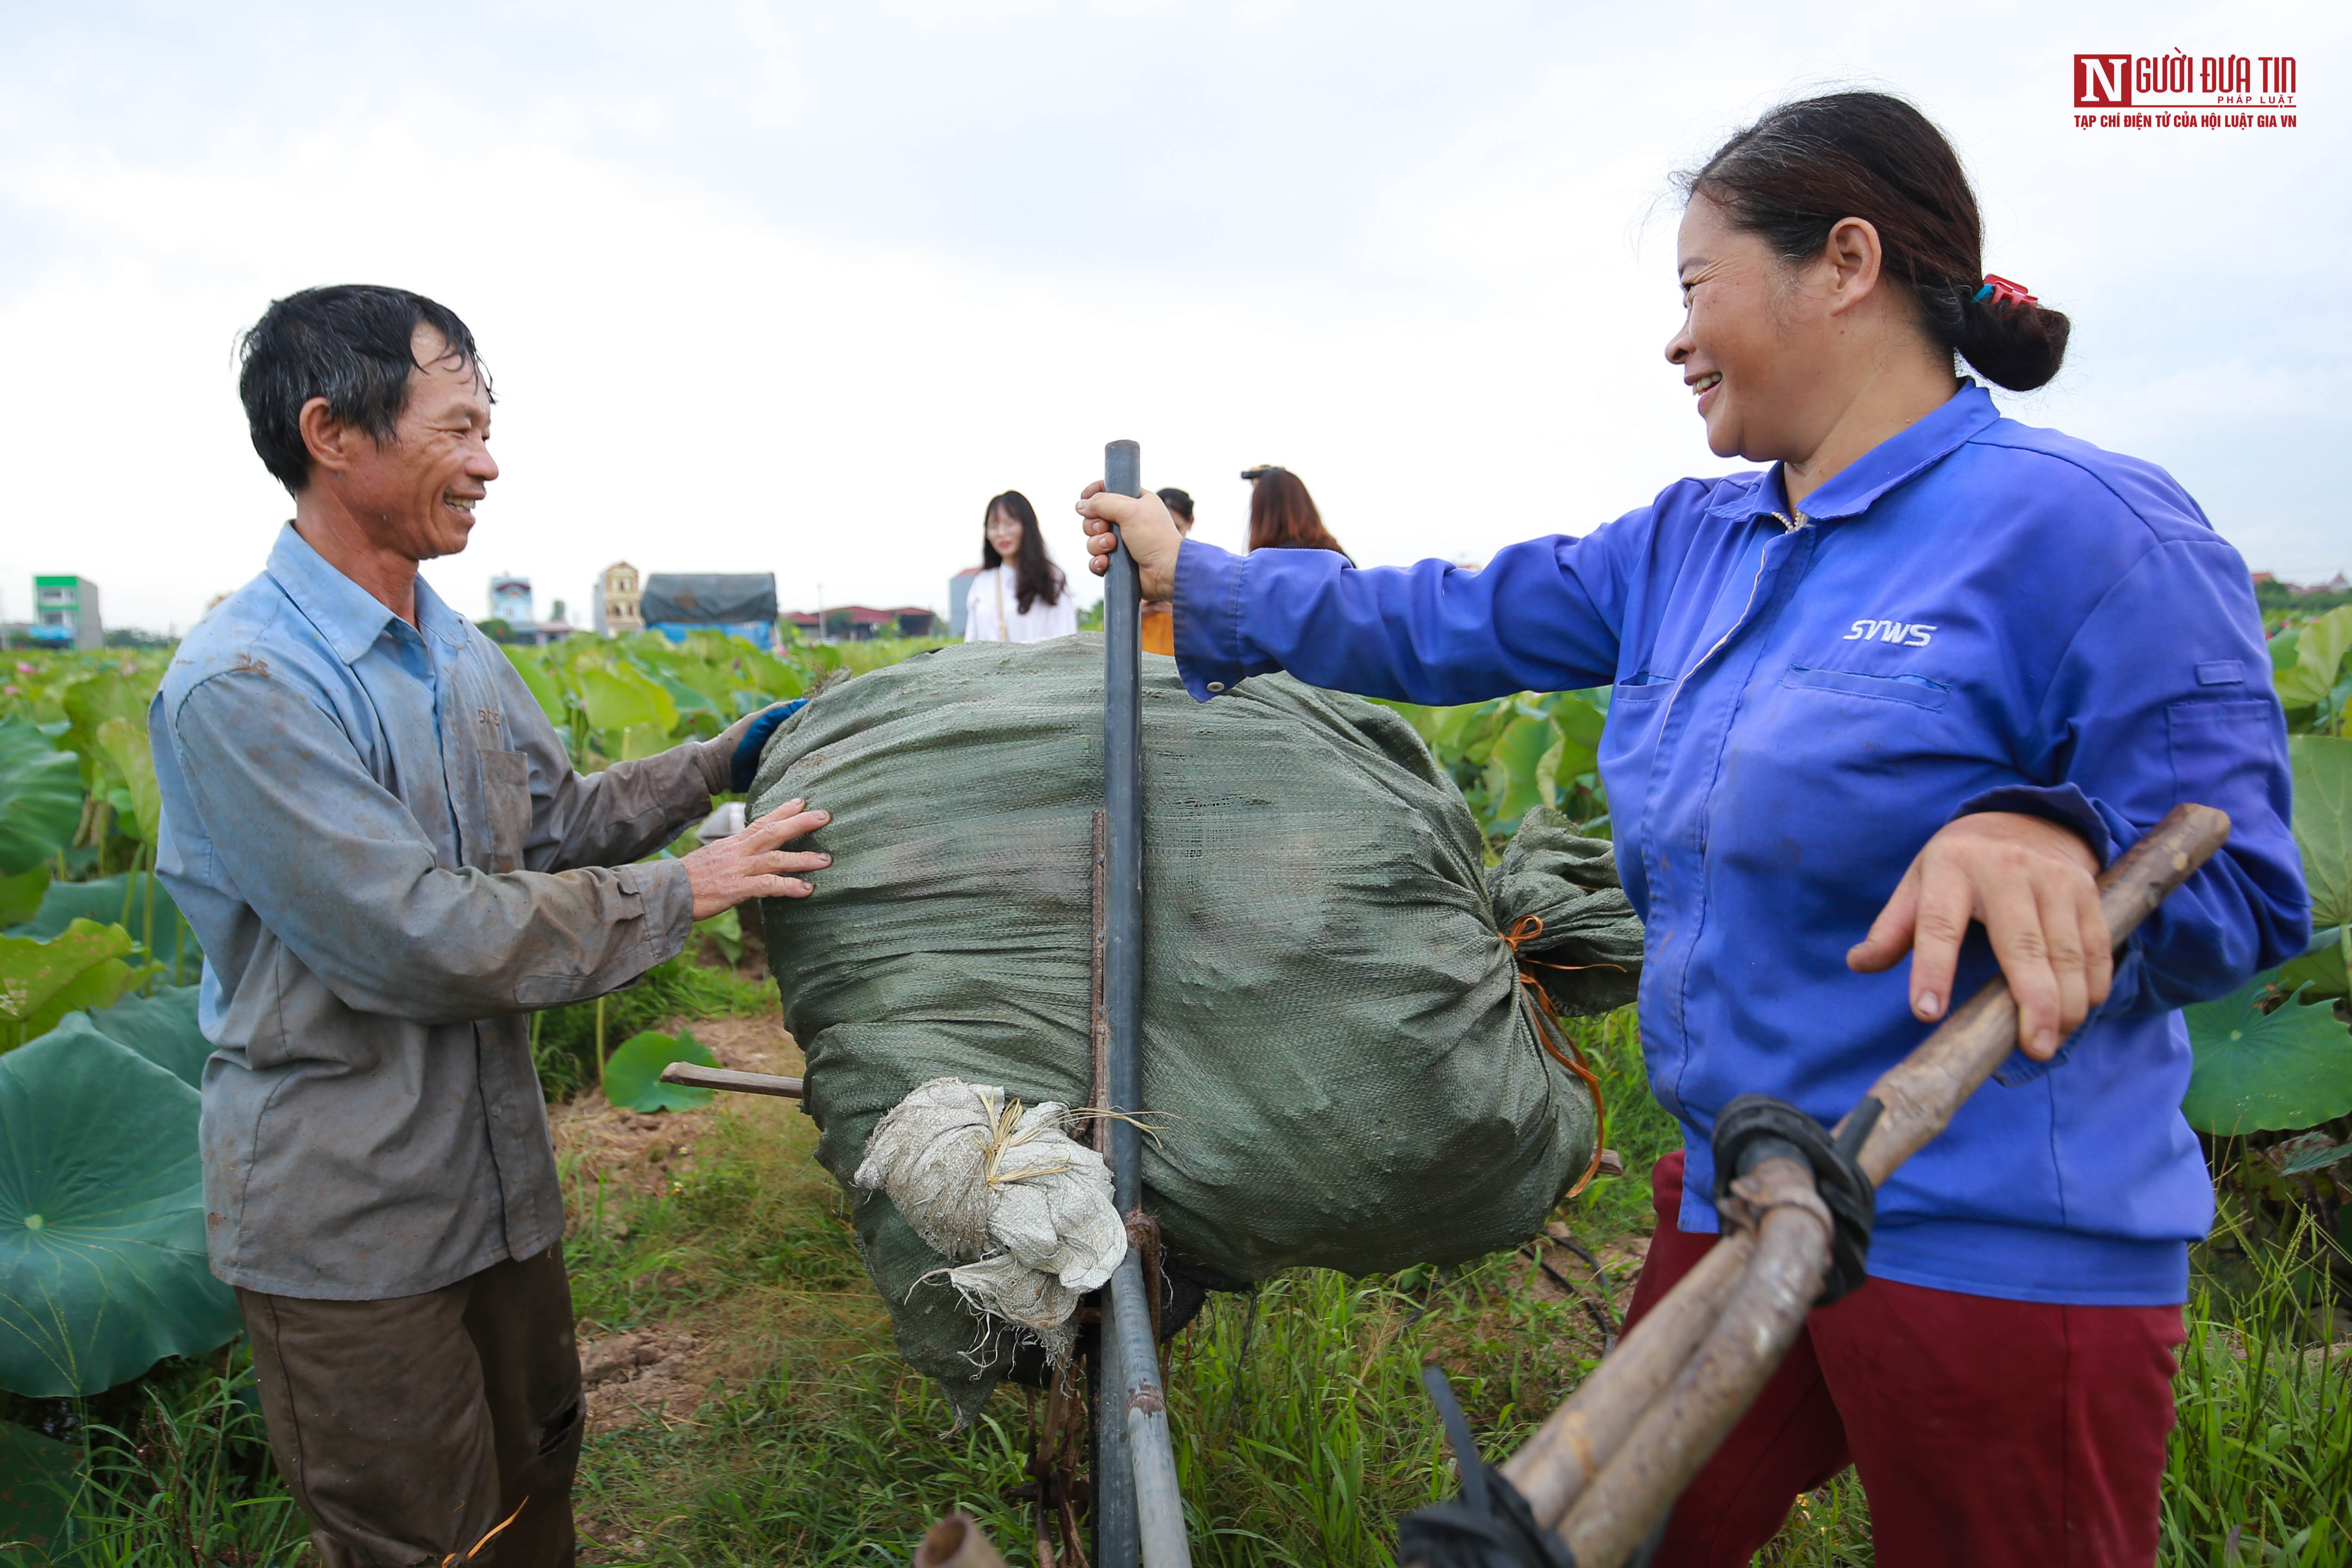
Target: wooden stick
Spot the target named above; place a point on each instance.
(1099, 1021)
(1551, 1469)
(1923, 1091)
(695, 1077)
(1679, 1432)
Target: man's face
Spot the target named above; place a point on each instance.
(415, 495)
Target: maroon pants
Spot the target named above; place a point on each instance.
(1986, 1432)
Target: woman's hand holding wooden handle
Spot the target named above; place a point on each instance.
(751, 864)
(2032, 885)
(1149, 533)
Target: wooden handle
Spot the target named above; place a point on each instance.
(695, 1077)
(1923, 1091)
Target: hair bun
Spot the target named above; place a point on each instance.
(2018, 345)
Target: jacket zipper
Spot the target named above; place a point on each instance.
(1787, 527)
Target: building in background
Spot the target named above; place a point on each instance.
(514, 618)
(619, 596)
(740, 604)
(510, 602)
(859, 623)
(64, 613)
(960, 599)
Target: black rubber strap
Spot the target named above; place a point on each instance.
(1489, 1525)
(1756, 1127)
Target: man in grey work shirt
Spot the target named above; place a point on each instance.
(390, 863)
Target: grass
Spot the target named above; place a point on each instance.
(1302, 1430)
(175, 1473)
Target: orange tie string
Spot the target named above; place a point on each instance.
(1526, 928)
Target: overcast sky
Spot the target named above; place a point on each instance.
(788, 288)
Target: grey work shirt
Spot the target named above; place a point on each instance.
(384, 850)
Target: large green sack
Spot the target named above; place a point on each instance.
(1337, 1058)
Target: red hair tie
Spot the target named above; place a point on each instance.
(2002, 291)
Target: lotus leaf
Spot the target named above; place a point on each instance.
(40, 797)
(38, 1477)
(621, 700)
(2319, 651)
(102, 1219)
(1513, 766)
(40, 982)
(532, 665)
(2325, 965)
(2322, 822)
(2258, 1072)
(130, 762)
(120, 899)
(91, 702)
(633, 1073)
(162, 1028)
(20, 896)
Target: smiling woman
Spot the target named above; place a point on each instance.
(2024, 701)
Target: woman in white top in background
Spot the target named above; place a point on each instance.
(1020, 595)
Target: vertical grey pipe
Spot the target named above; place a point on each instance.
(1152, 1449)
(1116, 1541)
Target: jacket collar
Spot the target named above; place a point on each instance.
(1897, 460)
(347, 616)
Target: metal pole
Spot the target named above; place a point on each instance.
(1152, 1450)
(1139, 1513)
(1118, 1544)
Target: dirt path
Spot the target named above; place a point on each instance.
(651, 1372)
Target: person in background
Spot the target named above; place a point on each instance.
(1020, 595)
(1283, 515)
(1158, 614)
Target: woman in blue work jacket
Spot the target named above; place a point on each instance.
(1904, 690)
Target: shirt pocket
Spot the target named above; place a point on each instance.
(2224, 755)
(1913, 691)
(506, 790)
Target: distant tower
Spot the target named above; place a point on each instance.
(619, 591)
(510, 602)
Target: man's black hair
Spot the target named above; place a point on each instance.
(352, 344)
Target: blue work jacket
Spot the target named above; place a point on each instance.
(1978, 615)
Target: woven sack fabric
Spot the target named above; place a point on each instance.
(1338, 1064)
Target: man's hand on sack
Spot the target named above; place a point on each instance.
(2032, 885)
(751, 865)
(1150, 534)
(730, 757)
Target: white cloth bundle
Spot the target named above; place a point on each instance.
(1023, 1210)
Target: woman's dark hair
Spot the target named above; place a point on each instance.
(1177, 502)
(352, 344)
(1283, 515)
(1794, 174)
(1034, 572)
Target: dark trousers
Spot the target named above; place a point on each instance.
(1986, 1432)
(409, 1428)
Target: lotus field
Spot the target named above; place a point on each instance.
(116, 1343)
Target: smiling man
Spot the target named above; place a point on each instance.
(383, 847)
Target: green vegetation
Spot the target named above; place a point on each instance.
(1303, 1431)
(1517, 753)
